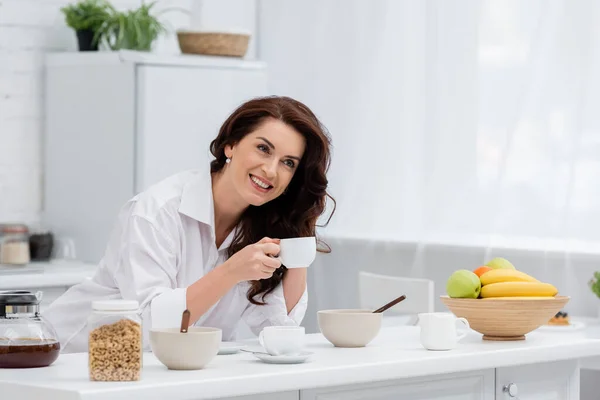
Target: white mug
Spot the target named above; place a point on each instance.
(282, 340)
(297, 252)
(438, 330)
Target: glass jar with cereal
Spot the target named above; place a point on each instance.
(115, 341)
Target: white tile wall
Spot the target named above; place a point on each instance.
(28, 28)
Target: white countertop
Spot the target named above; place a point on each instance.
(395, 353)
(51, 274)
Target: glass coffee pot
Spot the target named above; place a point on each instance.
(26, 339)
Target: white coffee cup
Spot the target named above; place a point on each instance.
(297, 252)
(282, 340)
(438, 330)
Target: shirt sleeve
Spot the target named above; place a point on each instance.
(146, 271)
(274, 312)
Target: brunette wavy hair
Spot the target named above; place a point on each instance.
(295, 212)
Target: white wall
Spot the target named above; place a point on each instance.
(28, 29)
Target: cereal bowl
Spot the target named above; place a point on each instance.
(350, 327)
(185, 351)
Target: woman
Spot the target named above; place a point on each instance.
(205, 240)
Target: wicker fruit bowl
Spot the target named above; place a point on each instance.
(213, 43)
(506, 318)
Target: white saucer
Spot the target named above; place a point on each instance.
(295, 359)
(573, 326)
(229, 348)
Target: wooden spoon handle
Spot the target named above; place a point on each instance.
(390, 304)
(185, 321)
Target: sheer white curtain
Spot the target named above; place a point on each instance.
(539, 126)
(454, 122)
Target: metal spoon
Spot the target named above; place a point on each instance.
(255, 352)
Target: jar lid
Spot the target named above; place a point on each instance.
(115, 305)
(19, 298)
(13, 228)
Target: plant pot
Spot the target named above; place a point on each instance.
(85, 39)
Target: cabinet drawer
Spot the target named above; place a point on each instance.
(462, 386)
(549, 381)
(293, 395)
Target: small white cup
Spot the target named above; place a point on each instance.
(438, 330)
(297, 252)
(282, 340)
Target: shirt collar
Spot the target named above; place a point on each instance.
(197, 203)
(197, 198)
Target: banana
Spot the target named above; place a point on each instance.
(505, 275)
(518, 289)
(518, 298)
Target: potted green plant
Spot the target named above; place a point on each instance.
(133, 29)
(86, 17)
(594, 284)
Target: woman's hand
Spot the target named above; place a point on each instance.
(254, 261)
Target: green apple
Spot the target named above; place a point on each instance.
(499, 262)
(463, 284)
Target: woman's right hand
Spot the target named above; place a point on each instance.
(254, 261)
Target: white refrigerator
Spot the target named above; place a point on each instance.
(117, 122)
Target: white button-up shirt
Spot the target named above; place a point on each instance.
(164, 241)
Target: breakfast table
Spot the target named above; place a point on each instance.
(393, 365)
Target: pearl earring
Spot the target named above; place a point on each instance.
(227, 160)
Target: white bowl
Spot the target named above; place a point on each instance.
(191, 350)
(350, 327)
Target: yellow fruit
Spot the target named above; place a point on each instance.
(519, 298)
(520, 289)
(505, 275)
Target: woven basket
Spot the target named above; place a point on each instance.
(213, 43)
(506, 318)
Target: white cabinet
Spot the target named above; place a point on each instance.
(461, 386)
(293, 395)
(117, 122)
(180, 110)
(548, 381)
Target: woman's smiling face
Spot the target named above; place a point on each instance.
(263, 163)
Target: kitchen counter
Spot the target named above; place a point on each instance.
(52, 278)
(46, 274)
(392, 362)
